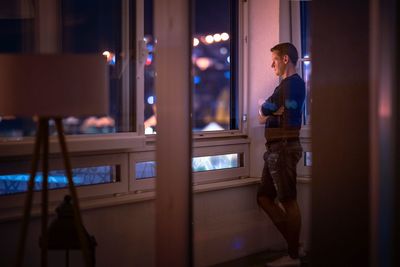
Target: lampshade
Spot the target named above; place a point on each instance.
(56, 85)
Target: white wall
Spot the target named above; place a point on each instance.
(228, 224)
(263, 34)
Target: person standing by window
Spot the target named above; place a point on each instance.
(282, 115)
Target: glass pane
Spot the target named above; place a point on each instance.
(95, 26)
(91, 26)
(147, 169)
(306, 56)
(16, 183)
(219, 162)
(17, 33)
(305, 28)
(306, 69)
(308, 159)
(212, 50)
(150, 121)
(214, 92)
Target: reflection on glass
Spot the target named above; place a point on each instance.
(306, 57)
(308, 159)
(306, 68)
(16, 183)
(93, 26)
(305, 28)
(211, 58)
(219, 162)
(147, 169)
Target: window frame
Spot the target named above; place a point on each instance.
(295, 35)
(208, 148)
(18, 165)
(303, 171)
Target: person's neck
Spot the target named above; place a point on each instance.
(289, 72)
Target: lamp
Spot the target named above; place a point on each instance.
(63, 234)
(52, 87)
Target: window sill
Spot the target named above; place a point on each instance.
(75, 144)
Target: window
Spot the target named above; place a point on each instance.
(122, 31)
(213, 161)
(214, 56)
(97, 174)
(305, 56)
(301, 37)
(93, 26)
(147, 169)
(16, 183)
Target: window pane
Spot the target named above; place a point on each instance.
(305, 28)
(17, 32)
(219, 162)
(306, 69)
(91, 26)
(212, 57)
(214, 73)
(150, 121)
(16, 183)
(95, 26)
(306, 56)
(147, 169)
(308, 159)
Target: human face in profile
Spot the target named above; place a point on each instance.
(279, 63)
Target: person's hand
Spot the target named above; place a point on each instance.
(280, 111)
(262, 119)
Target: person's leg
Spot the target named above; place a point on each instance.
(287, 194)
(267, 191)
(276, 214)
(293, 226)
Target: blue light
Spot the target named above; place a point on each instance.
(196, 79)
(227, 74)
(150, 100)
(237, 243)
(150, 47)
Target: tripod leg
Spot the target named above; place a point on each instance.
(77, 216)
(45, 199)
(28, 199)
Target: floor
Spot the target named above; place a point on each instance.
(258, 260)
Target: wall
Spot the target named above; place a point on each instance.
(263, 34)
(228, 225)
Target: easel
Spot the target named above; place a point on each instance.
(42, 141)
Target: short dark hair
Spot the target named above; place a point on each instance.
(286, 49)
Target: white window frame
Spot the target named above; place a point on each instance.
(86, 191)
(209, 148)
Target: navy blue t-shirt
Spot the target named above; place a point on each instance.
(290, 94)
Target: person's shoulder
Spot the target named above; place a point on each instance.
(293, 80)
